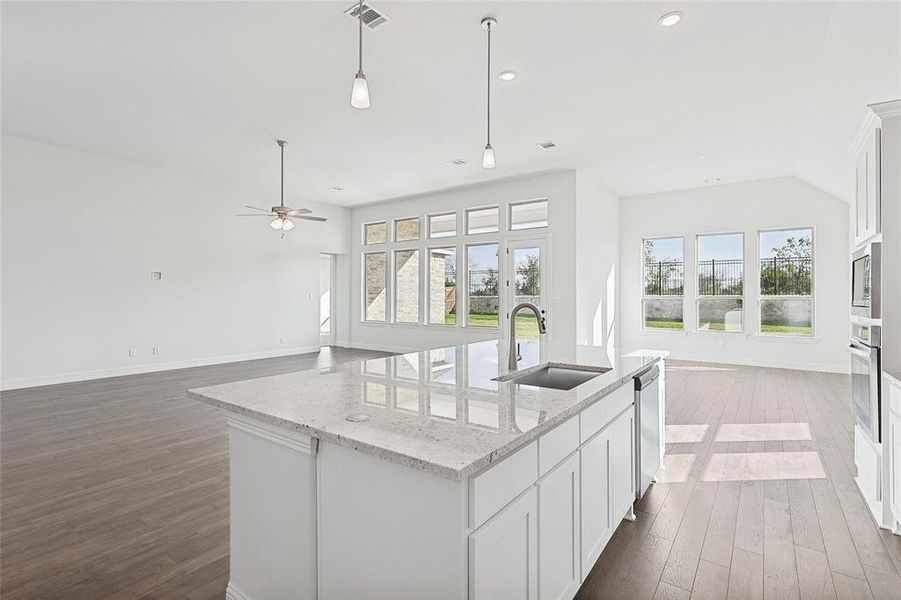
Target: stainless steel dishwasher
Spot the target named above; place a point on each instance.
(647, 429)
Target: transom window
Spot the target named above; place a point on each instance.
(375, 233)
(406, 230)
(482, 220)
(528, 215)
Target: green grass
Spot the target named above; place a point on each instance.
(526, 324)
(663, 324)
(787, 329)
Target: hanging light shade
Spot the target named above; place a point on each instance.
(359, 95)
(287, 224)
(276, 223)
(488, 23)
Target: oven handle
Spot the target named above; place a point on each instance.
(857, 352)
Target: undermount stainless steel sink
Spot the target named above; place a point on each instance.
(555, 376)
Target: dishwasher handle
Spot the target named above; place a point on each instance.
(647, 378)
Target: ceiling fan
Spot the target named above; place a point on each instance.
(283, 214)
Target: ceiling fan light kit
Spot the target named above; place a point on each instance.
(283, 214)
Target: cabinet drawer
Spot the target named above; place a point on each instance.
(557, 444)
(493, 489)
(598, 415)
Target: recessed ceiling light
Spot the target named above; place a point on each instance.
(548, 145)
(336, 188)
(507, 75)
(671, 18)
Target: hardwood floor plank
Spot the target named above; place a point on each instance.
(814, 577)
(711, 582)
(850, 588)
(746, 575)
(721, 528)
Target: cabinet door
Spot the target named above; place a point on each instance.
(894, 434)
(595, 496)
(503, 553)
(868, 205)
(558, 530)
(860, 197)
(622, 466)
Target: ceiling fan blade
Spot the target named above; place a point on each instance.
(265, 210)
(299, 211)
(308, 218)
(252, 215)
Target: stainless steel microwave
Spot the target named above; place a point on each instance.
(866, 266)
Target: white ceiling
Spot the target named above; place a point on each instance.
(759, 89)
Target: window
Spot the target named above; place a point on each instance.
(482, 220)
(406, 230)
(374, 275)
(443, 286)
(786, 281)
(528, 215)
(482, 285)
(406, 286)
(720, 282)
(663, 272)
(443, 225)
(375, 233)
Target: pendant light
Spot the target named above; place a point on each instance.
(359, 96)
(489, 23)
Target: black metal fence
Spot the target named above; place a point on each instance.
(483, 283)
(778, 277)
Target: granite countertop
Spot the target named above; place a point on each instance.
(439, 411)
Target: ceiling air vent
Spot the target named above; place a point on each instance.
(456, 162)
(548, 145)
(372, 17)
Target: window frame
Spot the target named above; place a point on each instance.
(363, 289)
(813, 288)
(500, 277)
(642, 296)
(428, 221)
(512, 205)
(699, 296)
(394, 296)
(367, 224)
(428, 290)
(397, 220)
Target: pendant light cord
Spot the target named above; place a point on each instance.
(282, 145)
(360, 19)
(489, 84)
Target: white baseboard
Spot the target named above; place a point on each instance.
(233, 592)
(761, 362)
(28, 382)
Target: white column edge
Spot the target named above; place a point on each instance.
(296, 441)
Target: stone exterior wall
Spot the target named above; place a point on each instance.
(376, 301)
(437, 292)
(407, 290)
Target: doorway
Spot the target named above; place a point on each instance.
(327, 278)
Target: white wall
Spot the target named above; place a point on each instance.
(746, 207)
(597, 262)
(81, 234)
(560, 190)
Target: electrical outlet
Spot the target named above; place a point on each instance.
(722, 345)
(132, 352)
(156, 350)
(281, 340)
(156, 275)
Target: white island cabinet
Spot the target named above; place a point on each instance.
(422, 476)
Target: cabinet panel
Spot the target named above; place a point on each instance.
(503, 553)
(867, 192)
(558, 530)
(622, 465)
(894, 422)
(594, 474)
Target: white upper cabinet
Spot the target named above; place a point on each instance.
(867, 192)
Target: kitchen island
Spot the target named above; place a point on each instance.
(422, 476)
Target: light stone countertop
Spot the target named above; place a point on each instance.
(439, 411)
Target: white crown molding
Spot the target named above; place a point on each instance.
(28, 382)
(869, 122)
(888, 109)
(293, 440)
(233, 592)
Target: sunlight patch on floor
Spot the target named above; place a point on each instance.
(755, 466)
(762, 432)
(675, 468)
(685, 434)
(671, 368)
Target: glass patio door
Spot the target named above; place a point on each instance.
(526, 278)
